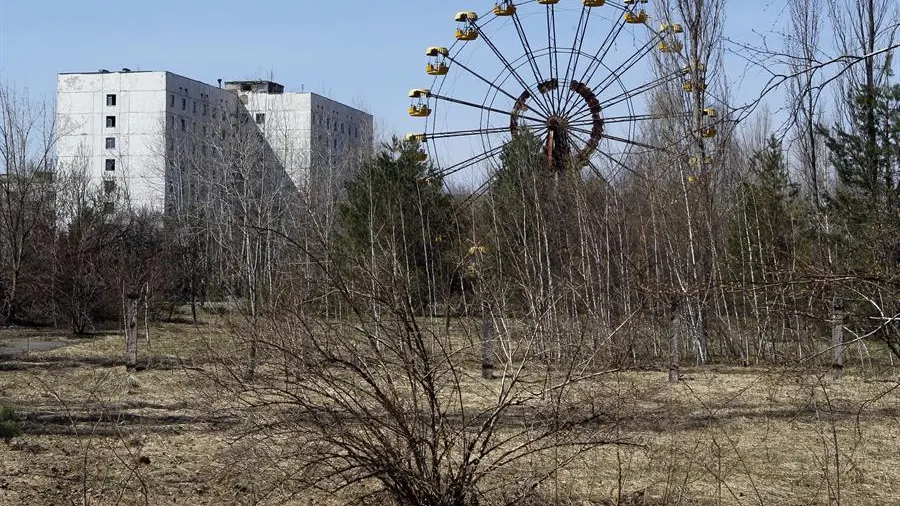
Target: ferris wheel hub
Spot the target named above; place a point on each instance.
(559, 126)
(557, 122)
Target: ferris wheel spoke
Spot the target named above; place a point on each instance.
(632, 118)
(526, 46)
(629, 94)
(628, 64)
(465, 133)
(644, 117)
(616, 74)
(553, 57)
(476, 193)
(481, 107)
(596, 62)
(582, 140)
(541, 103)
(621, 6)
(617, 163)
(636, 143)
(484, 156)
(575, 53)
(597, 172)
(482, 78)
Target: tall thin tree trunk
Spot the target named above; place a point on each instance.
(131, 339)
(487, 334)
(146, 298)
(674, 353)
(837, 339)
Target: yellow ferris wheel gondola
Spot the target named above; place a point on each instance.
(593, 3)
(636, 19)
(466, 30)
(670, 47)
(691, 86)
(671, 27)
(418, 108)
(420, 138)
(504, 8)
(707, 132)
(437, 65)
(548, 2)
(699, 68)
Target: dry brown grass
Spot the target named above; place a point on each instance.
(98, 434)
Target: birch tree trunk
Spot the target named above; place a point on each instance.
(674, 354)
(131, 330)
(837, 340)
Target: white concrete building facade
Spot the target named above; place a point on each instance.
(307, 131)
(121, 127)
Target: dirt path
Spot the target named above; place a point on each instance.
(14, 348)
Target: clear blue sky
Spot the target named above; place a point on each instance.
(367, 54)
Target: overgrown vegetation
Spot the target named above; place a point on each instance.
(9, 426)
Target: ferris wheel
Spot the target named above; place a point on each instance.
(573, 74)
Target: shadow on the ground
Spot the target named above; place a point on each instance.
(24, 363)
(114, 419)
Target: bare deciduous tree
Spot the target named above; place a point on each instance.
(27, 144)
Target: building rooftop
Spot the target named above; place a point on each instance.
(258, 86)
(124, 70)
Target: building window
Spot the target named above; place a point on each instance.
(171, 121)
(172, 100)
(183, 124)
(110, 164)
(110, 122)
(110, 143)
(260, 118)
(194, 107)
(205, 109)
(111, 100)
(183, 104)
(109, 186)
